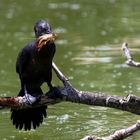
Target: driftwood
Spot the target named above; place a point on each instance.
(130, 103)
(119, 134)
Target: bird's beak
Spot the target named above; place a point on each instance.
(42, 40)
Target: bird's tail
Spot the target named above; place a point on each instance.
(28, 118)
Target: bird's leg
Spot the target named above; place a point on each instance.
(29, 99)
(53, 92)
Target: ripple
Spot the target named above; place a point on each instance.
(103, 48)
(61, 42)
(62, 118)
(89, 60)
(60, 30)
(65, 5)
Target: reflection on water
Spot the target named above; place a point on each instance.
(60, 30)
(98, 54)
(88, 53)
(88, 60)
(65, 5)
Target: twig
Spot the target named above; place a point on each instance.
(119, 134)
(130, 60)
(60, 75)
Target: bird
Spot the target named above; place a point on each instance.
(34, 67)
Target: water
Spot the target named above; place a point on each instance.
(88, 53)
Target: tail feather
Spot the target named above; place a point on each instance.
(28, 118)
(31, 117)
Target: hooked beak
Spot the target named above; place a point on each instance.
(42, 40)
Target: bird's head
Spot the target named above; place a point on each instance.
(42, 27)
(43, 33)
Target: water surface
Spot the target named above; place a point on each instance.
(88, 53)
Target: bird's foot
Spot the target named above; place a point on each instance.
(30, 99)
(54, 92)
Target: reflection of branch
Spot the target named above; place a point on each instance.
(130, 60)
(119, 134)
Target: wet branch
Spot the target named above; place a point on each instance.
(128, 56)
(119, 134)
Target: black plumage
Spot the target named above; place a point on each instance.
(34, 68)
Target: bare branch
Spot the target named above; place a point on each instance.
(119, 134)
(130, 103)
(60, 75)
(21, 102)
(130, 60)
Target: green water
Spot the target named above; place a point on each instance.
(91, 33)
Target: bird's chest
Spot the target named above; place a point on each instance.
(40, 64)
(42, 57)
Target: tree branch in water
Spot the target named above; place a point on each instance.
(119, 134)
(128, 56)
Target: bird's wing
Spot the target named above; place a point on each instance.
(22, 60)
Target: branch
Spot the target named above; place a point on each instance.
(130, 103)
(60, 75)
(130, 60)
(119, 134)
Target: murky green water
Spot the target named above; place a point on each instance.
(88, 52)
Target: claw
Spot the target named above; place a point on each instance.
(28, 98)
(42, 40)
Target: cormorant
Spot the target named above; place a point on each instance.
(34, 67)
